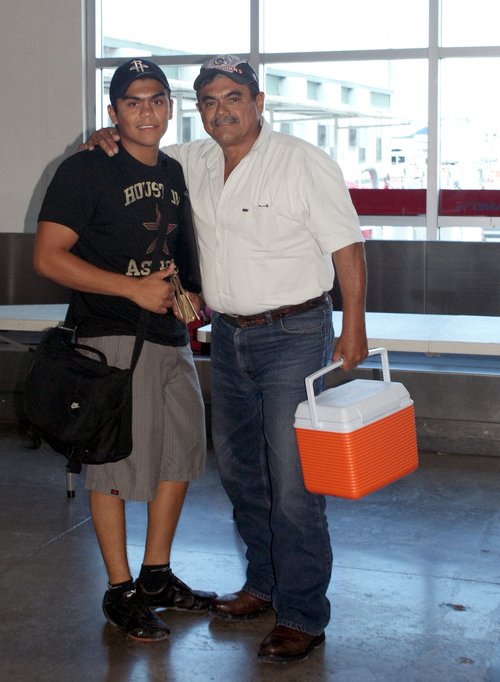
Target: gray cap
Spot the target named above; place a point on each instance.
(230, 65)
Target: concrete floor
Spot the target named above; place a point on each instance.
(415, 590)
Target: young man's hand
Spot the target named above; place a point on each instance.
(153, 292)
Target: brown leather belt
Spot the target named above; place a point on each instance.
(242, 321)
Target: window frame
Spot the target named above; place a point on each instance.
(432, 220)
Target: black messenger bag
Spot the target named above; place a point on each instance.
(80, 405)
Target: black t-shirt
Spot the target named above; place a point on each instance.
(115, 205)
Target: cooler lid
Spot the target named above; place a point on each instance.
(355, 404)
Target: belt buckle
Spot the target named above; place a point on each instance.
(232, 320)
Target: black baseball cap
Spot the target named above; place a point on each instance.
(130, 71)
(230, 65)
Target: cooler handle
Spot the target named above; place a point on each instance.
(311, 398)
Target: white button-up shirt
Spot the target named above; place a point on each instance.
(266, 236)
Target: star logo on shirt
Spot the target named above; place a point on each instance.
(155, 226)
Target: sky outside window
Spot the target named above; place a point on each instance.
(467, 23)
(186, 27)
(340, 25)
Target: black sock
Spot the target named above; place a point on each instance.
(153, 578)
(119, 588)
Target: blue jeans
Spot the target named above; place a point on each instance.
(257, 382)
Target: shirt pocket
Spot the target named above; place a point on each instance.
(257, 229)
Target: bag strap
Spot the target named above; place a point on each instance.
(142, 327)
(155, 266)
(139, 338)
(68, 320)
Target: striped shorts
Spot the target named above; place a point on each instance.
(168, 421)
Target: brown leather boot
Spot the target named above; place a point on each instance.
(285, 645)
(238, 606)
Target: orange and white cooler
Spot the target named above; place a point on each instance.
(357, 437)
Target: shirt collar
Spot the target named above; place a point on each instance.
(262, 142)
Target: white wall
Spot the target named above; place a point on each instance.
(41, 85)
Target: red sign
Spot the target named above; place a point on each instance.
(389, 201)
(456, 202)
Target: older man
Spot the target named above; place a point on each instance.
(270, 210)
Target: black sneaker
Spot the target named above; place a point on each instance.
(130, 613)
(176, 595)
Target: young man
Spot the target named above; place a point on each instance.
(270, 211)
(98, 230)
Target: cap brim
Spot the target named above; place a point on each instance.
(122, 91)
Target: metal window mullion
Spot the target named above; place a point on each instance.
(345, 55)
(89, 65)
(178, 114)
(433, 123)
(254, 57)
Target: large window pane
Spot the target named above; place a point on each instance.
(470, 133)
(468, 24)
(340, 25)
(463, 234)
(395, 232)
(370, 117)
(164, 28)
